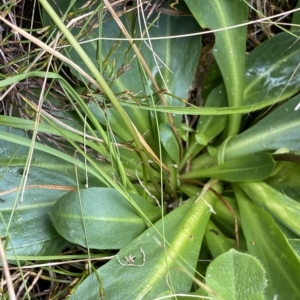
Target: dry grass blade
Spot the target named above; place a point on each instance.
(51, 51)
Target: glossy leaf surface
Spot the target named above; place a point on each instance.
(273, 74)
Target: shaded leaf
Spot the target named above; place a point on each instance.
(279, 129)
(14, 148)
(235, 275)
(217, 242)
(286, 179)
(267, 243)
(169, 141)
(111, 119)
(225, 218)
(296, 19)
(208, 127)
(211, 126)
(34, 237)
(119, 64)
(100, 218)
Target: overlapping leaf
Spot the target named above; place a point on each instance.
(183, 232)
(100, 218)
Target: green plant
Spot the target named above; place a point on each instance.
(126, 173)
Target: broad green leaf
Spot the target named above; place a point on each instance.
(269, 245)
(286, 179)
(284, 209)
(24, 215)
(100, 218)
(169, 141)
(174, 61)
(273, 74)
(51, 158)
(236, 276)
(230, 47)
(279, 129)
(242, 169)
(183, 230)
